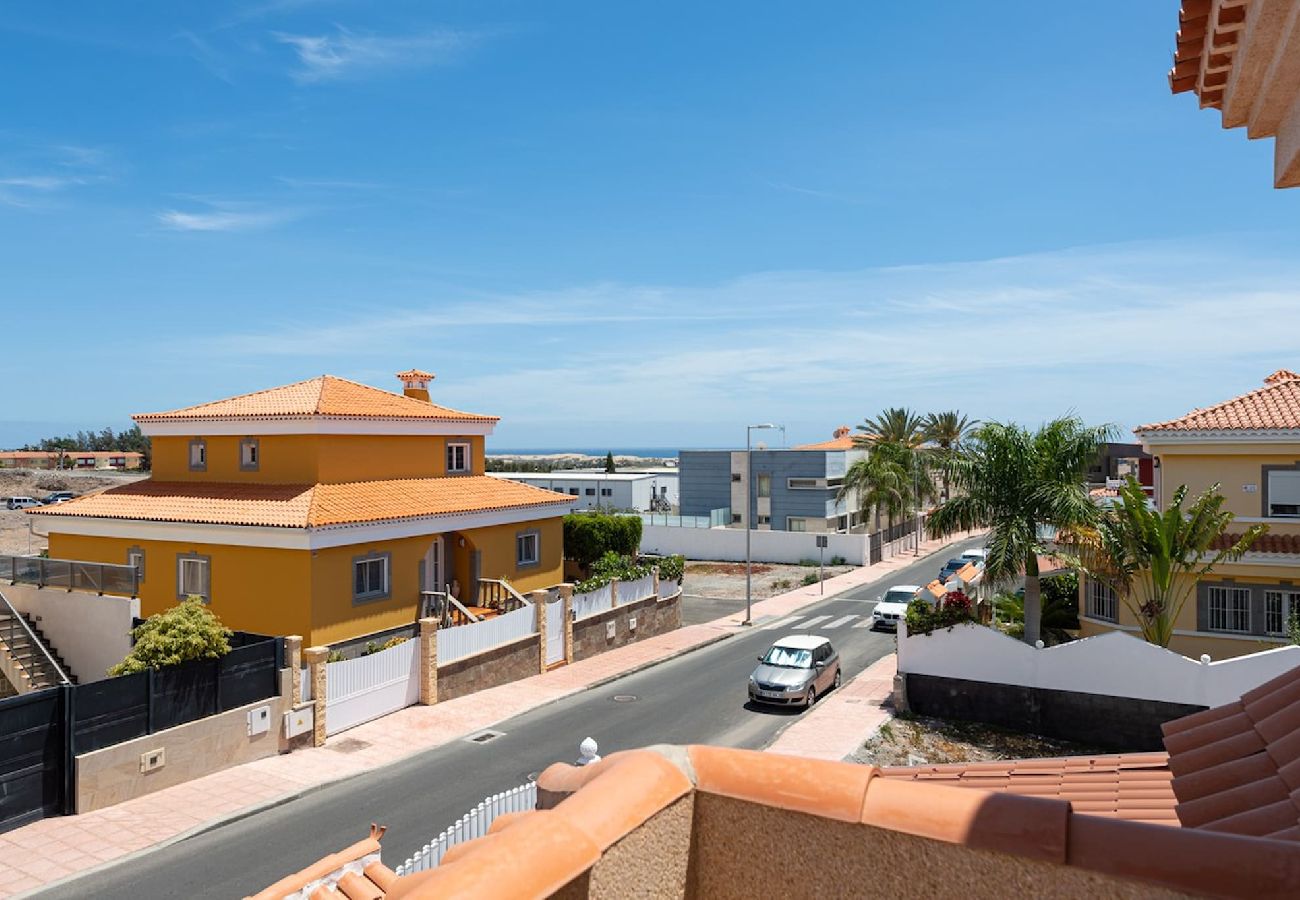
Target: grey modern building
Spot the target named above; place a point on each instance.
(792, 490)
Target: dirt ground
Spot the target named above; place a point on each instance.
(14, 536)
(914, 740)
(726, 580)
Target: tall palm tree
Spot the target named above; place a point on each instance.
(946, 431)
(882, 481)
(896, 425)
(1013, 481)
(1153, 560)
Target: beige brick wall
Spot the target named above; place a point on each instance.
(652, 617)
(500, 665)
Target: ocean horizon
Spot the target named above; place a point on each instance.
(665, 452)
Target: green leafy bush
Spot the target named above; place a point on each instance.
(186, 632)
(589, 536)
(925, 618)
(808, 563)
(609, 567)
(1062, 591)
(671, 568)
(1059, 614)
(810, 578)
(839, 561)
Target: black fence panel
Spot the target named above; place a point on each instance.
(247, 674)
(33, 757)
(183, 693)
(109, 712)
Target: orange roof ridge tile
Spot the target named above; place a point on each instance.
(306, 505)
(325, 395)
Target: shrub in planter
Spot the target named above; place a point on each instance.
(589, 536)
(186, 632)
(671, 568)
(923, 617)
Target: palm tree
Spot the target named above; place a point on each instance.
(1152, 560)
(1013, 481)
(946, 431)
(896, 425)
(882, 481)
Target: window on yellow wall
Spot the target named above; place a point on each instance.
(198, 455)
(249, 455)
(370, 577)
(527, 549)
(458, 458)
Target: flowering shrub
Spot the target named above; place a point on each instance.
(924, 618)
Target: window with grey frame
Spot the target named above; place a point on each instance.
(370, 577)
(198, 455)
(528, 547)
(193, 576)
(1279, 607)
(1228, 609)
(458, 458)
(135, 557)
(1283, 487)
(1102, 602)
(250, 455)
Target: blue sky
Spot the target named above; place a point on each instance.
(630, 225)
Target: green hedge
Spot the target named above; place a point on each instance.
(589, 536)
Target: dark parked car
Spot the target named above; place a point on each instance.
(58, 497)
(951, 568)
(796, 670)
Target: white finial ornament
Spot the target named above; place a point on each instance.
(587, 752)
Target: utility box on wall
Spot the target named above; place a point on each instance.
(259, 720)
(299, 721)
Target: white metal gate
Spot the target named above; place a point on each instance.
(365, 688)
(554, 632)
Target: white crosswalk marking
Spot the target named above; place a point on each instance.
(842, 620)
(813, 622)
(781, 623)
(865, 623)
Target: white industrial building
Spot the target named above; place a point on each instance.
(642, 491)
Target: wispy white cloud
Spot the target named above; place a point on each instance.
(349, 54)
(50, 170)
(225, 216)
(1125, 333)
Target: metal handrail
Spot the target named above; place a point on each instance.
(511, 594)
(16, 616)
(44, 572)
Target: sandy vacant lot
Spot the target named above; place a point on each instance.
(726, 580)
(15, 538)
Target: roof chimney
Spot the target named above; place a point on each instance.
(415, 383)
(842, 431)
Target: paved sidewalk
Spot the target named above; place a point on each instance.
(63, 847)
(843, 719)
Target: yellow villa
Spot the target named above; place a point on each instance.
(321, 508)
(1250, 446)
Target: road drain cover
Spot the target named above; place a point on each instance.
(625, 698)
(484, 736)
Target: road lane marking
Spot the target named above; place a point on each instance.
(781, 623)
(813, 622)
(842, 620)
(865, 623)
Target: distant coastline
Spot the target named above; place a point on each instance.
(633, 452)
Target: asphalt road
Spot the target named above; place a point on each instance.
(697, 698)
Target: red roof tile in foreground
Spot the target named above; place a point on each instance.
(305, 505)
(1237, 767)
(1265, 543)
(1275, 406)
(323, 396)
(1012, 836)
(1133, 786)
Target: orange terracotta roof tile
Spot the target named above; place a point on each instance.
(324, 396)
(1275, 406)
(306, 506)
(414, 374)
(1135, 787)
(1237, 767)
(1266, 543)
(844, 442)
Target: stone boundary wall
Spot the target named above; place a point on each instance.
(1122, 724)
(499, 665)
(109, 776)
(653, 617)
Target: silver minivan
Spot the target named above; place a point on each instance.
(23, 502)
(796, 670)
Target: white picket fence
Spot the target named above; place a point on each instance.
(466, 640)
(638, 589)
(472, 825)
(592, 602)
(365, 688)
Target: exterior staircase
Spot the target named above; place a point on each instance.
(27, 659)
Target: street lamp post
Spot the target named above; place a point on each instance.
(749, 507)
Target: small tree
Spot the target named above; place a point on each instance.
(187, 631)
(589, 536)
(1152, 560)
(609, 463)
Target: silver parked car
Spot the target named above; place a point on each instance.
(797, 670)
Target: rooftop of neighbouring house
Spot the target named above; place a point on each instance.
(325, 396)
(306, 505)
(1273, 407)
(841, 439)
(1216, 815)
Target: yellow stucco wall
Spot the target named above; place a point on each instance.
(311, 459)
(1233, 467)
(273, 591)
(1194, 644)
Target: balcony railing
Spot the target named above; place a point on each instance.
(70, 574)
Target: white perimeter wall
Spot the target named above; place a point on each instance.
(1115, 664)
(728, 544)
(90, 632)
